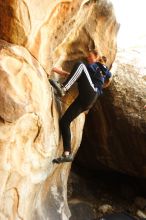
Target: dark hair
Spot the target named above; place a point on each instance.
(104, 59)
(94, 51)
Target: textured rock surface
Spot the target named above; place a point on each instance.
(61, 30)
(29, 140)
(55, 33)
(118, 140)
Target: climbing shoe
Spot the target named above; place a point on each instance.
(64, 158)
(58, 87)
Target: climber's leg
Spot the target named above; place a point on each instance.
(78, 70)
(72, 112)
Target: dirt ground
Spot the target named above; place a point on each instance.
(93, 194)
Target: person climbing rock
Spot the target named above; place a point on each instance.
(91, 78)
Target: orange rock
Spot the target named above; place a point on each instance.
(42, 34)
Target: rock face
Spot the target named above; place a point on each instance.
(59, 31)
(118, 139)
(35, 35)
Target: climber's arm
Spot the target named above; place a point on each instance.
(107, 83)
(59, 71)
(108, 78)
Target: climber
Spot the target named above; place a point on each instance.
(91, 78)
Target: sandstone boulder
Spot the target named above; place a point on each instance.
(35, 36)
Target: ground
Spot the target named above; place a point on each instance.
(92, 193)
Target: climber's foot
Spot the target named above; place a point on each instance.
(63, 159)
(58, 87)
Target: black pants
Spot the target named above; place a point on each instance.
(85, 100)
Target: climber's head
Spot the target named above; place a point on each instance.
(92, 56)
(103, 60)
